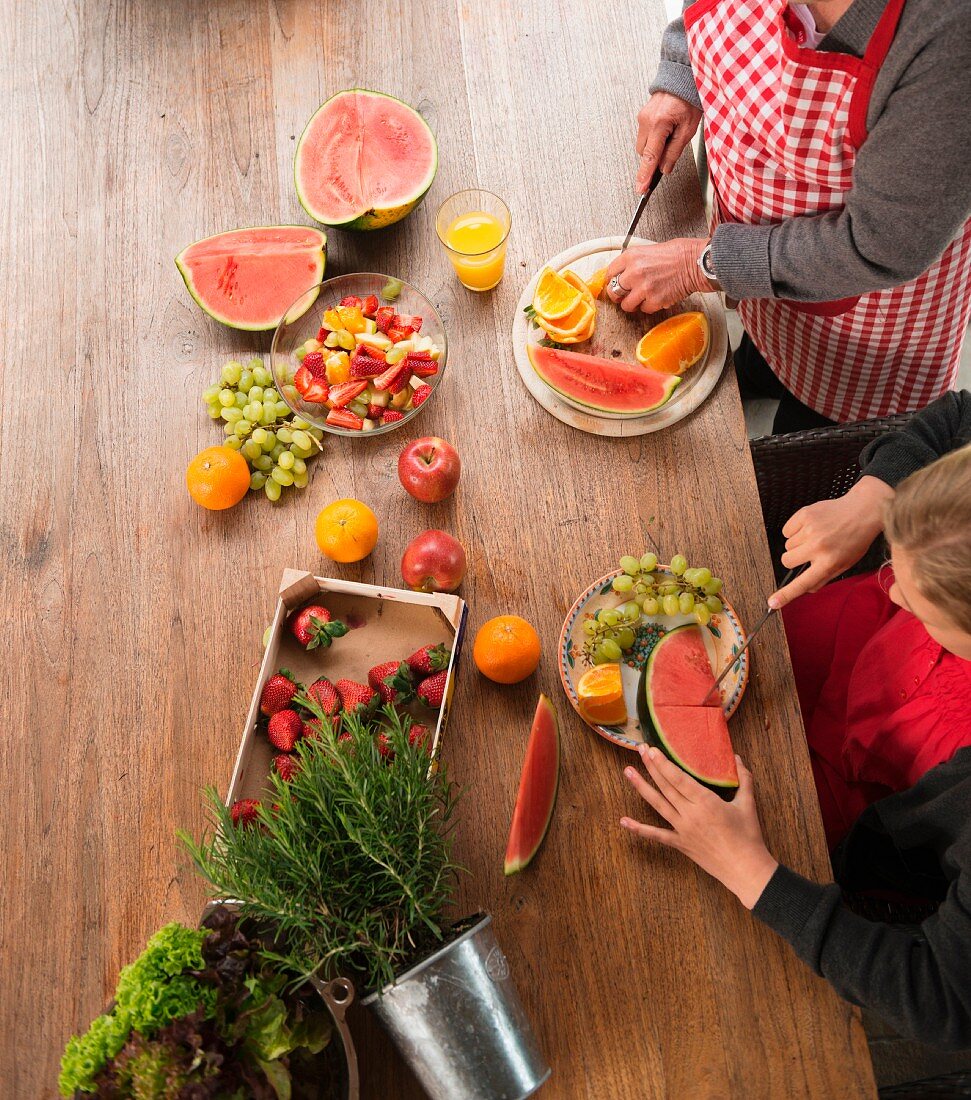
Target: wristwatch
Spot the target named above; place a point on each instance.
(704, 262)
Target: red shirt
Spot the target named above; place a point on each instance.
(882, 702)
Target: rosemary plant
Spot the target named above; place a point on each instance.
(350, 861)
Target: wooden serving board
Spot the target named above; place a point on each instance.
(619, 332)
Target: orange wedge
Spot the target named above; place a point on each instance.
(597, 282)
(600, 694)
(577, 283)
(675, 345)
(578, 325)
(554, 298)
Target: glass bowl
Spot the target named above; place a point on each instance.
(291, 335)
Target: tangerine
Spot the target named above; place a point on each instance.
(506, 649)
(346, 530)
(676, 344)
(217, 478)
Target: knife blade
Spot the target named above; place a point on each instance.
(787, 579)
(655, 180)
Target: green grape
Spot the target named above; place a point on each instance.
(589, 627)
(651, 606)
(640, 588)
(215, 411)
(241, 400)
(254, 410)
(284, 435)
(227, 398)
(610, 617)
(713, 587)
(631, 610)
(330, 340)
(600, 657)
(233, 443)
(229, 429)
(623, 583)
(302, 440)
(686, 603)
(679, 563)
(702, 577)
(300, 424)
(611, 649)
(252, 450)
(255, 393)
(648, 562)
(668, 589)
(277, 451)
(391, 289)
(231, 415)
(245, 381)
(242, 428)
(301, 452)
(281, 476)
(670, 605)
(282, 410)
(232, 372)
(273, 489)
(300, 480)
(358, 408)
(286, 461)
(703, 615)
(346, 340)
(270, 442)
(650, 590)
(258, 480)
(625, 637)
(690, 576)
(261, 375)
(255, 362)
(648, 579)
(629, 565)
(260, 436)
(299, 466)
(264, 463)
(269, 414)
(316, 433)
(211, 393)
(270, 396)
(714, 604)
(395, 355)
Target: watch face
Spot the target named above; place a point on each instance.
(706, 265)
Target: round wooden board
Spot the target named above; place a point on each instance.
(620, 330)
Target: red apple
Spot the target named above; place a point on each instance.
(429, 469)
(433, 562)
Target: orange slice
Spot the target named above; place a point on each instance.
(578, 324)
(597, 282)
(554, 298)
(675, 345)
(575, 281)
(600, 694)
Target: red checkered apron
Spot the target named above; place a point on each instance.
(782, 128)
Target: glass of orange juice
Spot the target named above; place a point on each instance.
(473, 226)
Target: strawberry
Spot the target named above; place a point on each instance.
(244, 811)
(385, 747)
(322, 334)
(302, 380)
(399, 383)
(421, 364)
(367, 366)
(324, 694)
(317, 391)
(346, 392)
(392, 681)
(311, 730)
(352, 301)
(428, 659)
(388, 378)
(420, 396)
(414, 323)
(284, 730)
(314, 626)
(431, 691)
(384, 318)
(370, 306)
(356, 698)
(392, 416)
(314, 362)
(397, 333)
(342, 418)
(286, 766)
(277, 693)
(418, 737)
(375, 412)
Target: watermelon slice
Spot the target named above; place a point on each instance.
(538, 785)
(364, 161)
(248, 278)
(677, 717)
(603, 385)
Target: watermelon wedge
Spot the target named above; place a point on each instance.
(538, 785)
(364, 161)
(602, 385)
(677, 718)
(248, 278)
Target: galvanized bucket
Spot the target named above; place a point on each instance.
(457, 1020)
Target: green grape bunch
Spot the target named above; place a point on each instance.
(260, 425)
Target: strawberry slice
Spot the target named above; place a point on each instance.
(370, 307)
(343, 418)
(399, 372)
(352, 301)
(345, 393)
(303, 380)
(423, 368)
(314, 362)
(392, 416)
(397, 333)
(414, 323)
(317, 392)
(322, 334)
(364, 364)
(385, 318)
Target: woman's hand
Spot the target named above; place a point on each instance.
(833, 535)
(655, 276)
(723, 838)
(665, 125)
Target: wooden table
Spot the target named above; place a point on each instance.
(133, 619)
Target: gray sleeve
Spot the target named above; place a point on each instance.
(942, 427)
(908, 200)
(674, 73)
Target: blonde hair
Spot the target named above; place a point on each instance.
(930, 518)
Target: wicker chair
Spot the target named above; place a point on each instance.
(948, 1086)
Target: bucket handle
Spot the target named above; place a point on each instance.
(338, 995)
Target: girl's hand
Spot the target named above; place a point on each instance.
(723, 838)
(655, 276)
(833, 535)
(665, 125)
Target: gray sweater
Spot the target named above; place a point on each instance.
(911, 190)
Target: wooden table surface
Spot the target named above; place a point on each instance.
(133, 619)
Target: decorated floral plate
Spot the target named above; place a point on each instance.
(723, 636)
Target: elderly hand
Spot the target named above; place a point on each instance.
(723, 838)
(654, 276)
(833, 535)
(665, 125)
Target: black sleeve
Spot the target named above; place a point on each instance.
(943, 426)
(919, 984)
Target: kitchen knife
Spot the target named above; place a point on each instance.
(655, 180)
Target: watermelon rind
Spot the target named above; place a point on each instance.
(263, 325)
(521, 855)
(376, 217)
(651, 726)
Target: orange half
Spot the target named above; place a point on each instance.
(675, 345)
(600, 695)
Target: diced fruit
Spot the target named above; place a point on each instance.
(600, 695)
(322, 334)
(352, 319)
(370, 306)
(431, 691)
(420, 395)
(277, 694)
(364, 365)
(395, 373)
(284, 730)
(414, 323)
(314, 362)
(538, 785)
(396, 333)
(676, 344)
(343, 418)
(352, 300)
(244, 811)
(346, 392)
(422, 368)
(374, 412)
(303, 380)
(401, 391)
(507, 649)
(385, 318)
(578, 326)
(380, 398)
(346, 530)
(597, 282)
(332, 319)
(392, 416)
(317, 393)
(338, 368)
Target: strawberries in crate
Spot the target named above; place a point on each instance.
(312, 729)
(244, 811)
(431, 691)
(392, 681)
(286, 766)
(356, 698)
(284, 730)
(428, 659)
(324, 694)
(419, 735)
(314, 626)
(278, 692)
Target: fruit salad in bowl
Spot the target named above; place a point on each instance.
(365, 359)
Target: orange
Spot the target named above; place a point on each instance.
(597, 282)
(675, 344)
(578, 325)
(578, 284)
(554, 297)
(346, 530)
(218, 478)
(600, 695)
(506, 649)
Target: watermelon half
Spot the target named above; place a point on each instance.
(248, 278)
(602, 385)
(678, 717)
(538, 785)
(364, 161)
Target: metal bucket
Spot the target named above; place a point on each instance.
(457, 1020)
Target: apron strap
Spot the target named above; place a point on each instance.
(873, 57)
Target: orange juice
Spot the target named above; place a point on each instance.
(477, 249)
